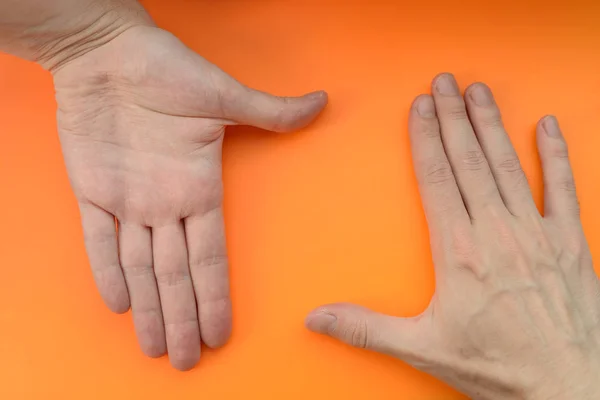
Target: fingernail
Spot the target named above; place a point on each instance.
(446, 85)
(426, 107)
(551, 127)
(321, 322)
(481, 95)
(315, 95)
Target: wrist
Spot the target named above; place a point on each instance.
(72, 28)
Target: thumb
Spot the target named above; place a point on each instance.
(246, 106)
(404, 338)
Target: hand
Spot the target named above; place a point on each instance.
(141, 122)
(517, 302)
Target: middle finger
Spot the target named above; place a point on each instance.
(176, 295)
(473, 176)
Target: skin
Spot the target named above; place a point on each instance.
(517, 304)
(141, 120)
(54, 32)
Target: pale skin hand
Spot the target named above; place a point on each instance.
(141, 120)
(141, 123)
(517, 304)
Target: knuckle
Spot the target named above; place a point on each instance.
(439, 173)
(474, 160)
(457, 113)
(549, 273)
(560, 151)
(567, 185)
(429, 130)
(509, 165)
(171, 279)
(462, 244)
(463, 250)
(477, 269)
(492, 122)
(282, 118)
(209, 262)
(570, 257)
(134, 271)
(575, 208)
(520, 180)
(356, 334)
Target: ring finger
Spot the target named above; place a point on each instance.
(135, 252)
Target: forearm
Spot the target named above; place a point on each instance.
(52, 32)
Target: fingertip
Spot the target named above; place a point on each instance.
(217, 337)
(476, 85)
(217, 341)
(325, 318)
(441, 75)
(321, 322)
(317, 96)
(119, 306)
(352, 324)
(318, 100)
(149, 327)
(560, 194)
(540, 123)
(548, 126)
(479, 94)
(424, 106)
(444, 83)
(101, 246)
(156, 350)
(215, 319)
(184, 350)
(185, 364)
(310, 106)
(114, 293)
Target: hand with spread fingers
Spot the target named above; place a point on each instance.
(517, 304)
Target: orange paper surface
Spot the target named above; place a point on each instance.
(328, 214)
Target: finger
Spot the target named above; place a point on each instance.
(205, 237)
(471, 169)
(176, 295)
(404, 338)
(246, 106)
(499, 151)
(560, 197)
(135, 249)
(441, 198)
(100, 237)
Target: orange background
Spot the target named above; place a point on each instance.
(328, 214)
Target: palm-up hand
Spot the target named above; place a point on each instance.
(141, 122)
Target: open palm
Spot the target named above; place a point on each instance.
(141, 122)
